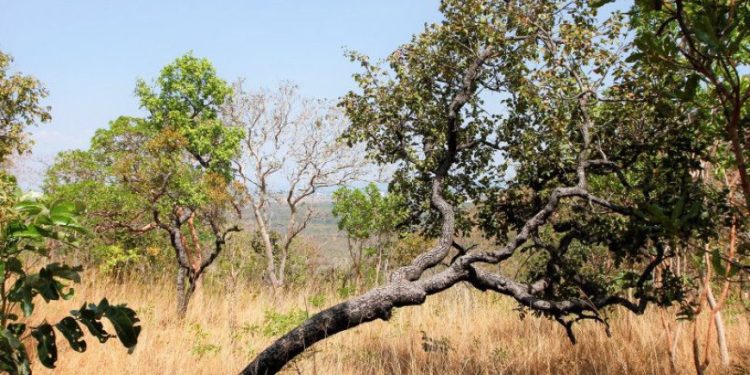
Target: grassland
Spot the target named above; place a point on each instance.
(459, 332)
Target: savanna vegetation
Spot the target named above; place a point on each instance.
(522, 188)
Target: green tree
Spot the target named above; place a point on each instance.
(706, 43)
(522, 120)
(169, 171)
(20, 107)
(370, 220)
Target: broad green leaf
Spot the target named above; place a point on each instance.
(73, 333)
(125, 322)
(46, 347)
(90, 317)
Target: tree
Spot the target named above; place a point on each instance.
(707, 41)
(25, 235)
(520, 119)
(291, 150)
(369, 218)
(20, 107)
(169, 171)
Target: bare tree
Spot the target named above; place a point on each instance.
(291, 150)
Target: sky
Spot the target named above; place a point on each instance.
(89, 53)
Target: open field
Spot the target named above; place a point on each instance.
(467, 333)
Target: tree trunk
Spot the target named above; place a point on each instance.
(376, 304)
(268, 246)
(738, 151)
(182, 299)
(184, 291)
(721, 335)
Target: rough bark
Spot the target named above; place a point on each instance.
(376, 304)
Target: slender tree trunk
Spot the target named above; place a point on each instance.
(377, 267)
(268, 245)
(739, 153)
(720, 333)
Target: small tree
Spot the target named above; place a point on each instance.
(168, 172)
(20, 107)
(370, 219)
(291, 150)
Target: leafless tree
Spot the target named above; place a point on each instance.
(291, 150)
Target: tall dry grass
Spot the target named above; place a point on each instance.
(467, 332)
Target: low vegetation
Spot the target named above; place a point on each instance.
(461, 332)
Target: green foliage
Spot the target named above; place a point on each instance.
(202, 347)
(140, 174)
(543, 85)
(186, 97)
(370, 220)
(365, 213)
(346, 291)
(276, 323)
(20, 107)
(318, 300)
(33, 224)
(115, 258)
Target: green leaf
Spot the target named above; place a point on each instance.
(14, 265)
(63, 209)
(14, 358)
(73, 333)
(90, 317)
(65, 271)
(30, 231)
(716, 263)
(22, 292)
(46, 347)
(649, 4)
(17, 328)
(125, 322)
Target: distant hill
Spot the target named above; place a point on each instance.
(322, 229)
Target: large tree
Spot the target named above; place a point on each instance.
(520, 119)
(169, 171)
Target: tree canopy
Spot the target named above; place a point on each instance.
(524, 121)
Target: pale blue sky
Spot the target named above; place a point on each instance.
(89, 53)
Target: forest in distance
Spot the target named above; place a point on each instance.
(517, 188)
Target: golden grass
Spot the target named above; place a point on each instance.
(478, 333)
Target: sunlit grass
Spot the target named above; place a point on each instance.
(466, 332)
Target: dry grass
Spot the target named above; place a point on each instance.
(476, 334)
